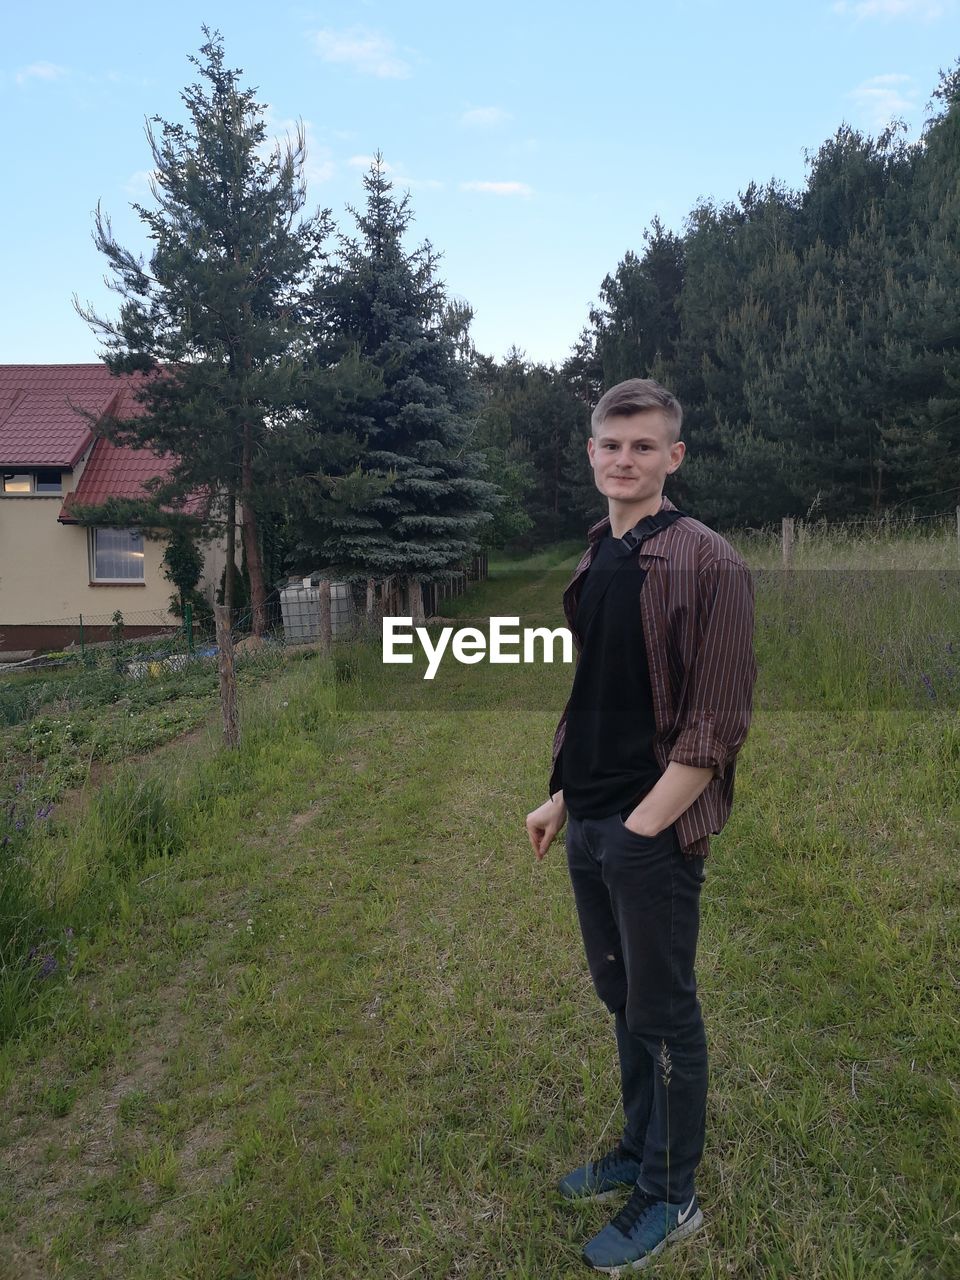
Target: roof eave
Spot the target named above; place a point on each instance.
(66, 461)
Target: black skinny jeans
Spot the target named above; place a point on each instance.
(638, 900)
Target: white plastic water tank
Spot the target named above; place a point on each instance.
(300, 609)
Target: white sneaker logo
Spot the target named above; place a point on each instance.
(682, 1217)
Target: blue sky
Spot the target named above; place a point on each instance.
(538, 141)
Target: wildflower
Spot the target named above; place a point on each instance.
(928, 683)
(49, 966)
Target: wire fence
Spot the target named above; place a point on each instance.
(96, 658)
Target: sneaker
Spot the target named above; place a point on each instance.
(639, 1232)
(603, 1178)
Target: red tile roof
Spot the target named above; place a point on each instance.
(112, 472)
(40, 427)
(39, 422)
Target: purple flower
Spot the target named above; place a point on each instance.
(929, 686)
(49, 966)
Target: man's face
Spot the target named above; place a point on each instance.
(632, 456)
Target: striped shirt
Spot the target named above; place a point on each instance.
(696, 608)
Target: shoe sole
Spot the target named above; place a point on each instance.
(675, 1237)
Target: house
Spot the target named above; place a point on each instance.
(54, 572)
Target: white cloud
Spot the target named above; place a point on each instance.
(925, 10)
(397, 173)
(881, 98)
(364, 162)
(420, 184)
(485, 117)
(40, 71)
(499, 188)
(138, 184)
(368, 52)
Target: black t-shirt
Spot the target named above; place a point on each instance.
(608, 760)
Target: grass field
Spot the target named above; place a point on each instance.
(321, 1014)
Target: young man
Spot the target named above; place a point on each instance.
(661, 609)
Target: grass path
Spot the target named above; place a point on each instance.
(350, 1033)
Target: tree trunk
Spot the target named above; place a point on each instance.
(251, 538)
(228, 676)
(230, 570)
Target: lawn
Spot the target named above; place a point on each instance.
(321, 1014)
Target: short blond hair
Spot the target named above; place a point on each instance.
(638, 395)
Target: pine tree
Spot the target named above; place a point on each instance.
(217, 322)
(926, 440)
(533, 412)
(637, 320)
(414, 502)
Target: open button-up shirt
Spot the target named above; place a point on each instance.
(696, 607)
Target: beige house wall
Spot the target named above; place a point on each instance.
(45, 569)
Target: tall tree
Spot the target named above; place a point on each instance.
(217, 321)
(415, 500)
(534, 409)
(637, 320)
(927, 439)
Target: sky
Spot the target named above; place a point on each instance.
(537, 141)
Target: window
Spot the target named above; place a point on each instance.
(117, 555)
(48, 481)
(45, 480)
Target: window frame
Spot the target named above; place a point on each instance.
(92, 555)
(32, 474)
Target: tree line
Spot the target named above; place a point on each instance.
(812, 337)
(322, 389)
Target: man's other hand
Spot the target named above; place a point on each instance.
(544, 823)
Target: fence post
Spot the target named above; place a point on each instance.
(188, 625)
(958, 531)
(83, 650)
(326, 624)
(370, 596)
(228, 676)
(416, 599)
(787, 541)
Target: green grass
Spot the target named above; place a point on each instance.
(326, 1016)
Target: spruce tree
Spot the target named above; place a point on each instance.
(216, 322)
(414, 501)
